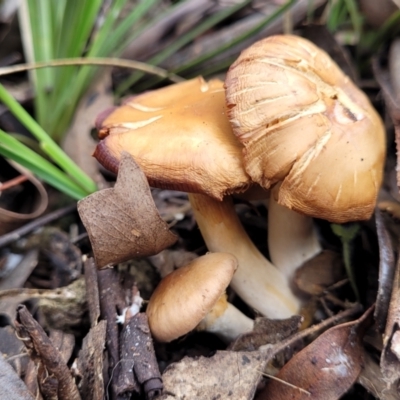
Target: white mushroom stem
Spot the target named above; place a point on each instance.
(226, 321)
(292, 237)
(256, 281)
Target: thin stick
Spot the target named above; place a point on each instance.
(37, 223)
(286, 383)
(291, 341)
(13, 182)
(102, 61)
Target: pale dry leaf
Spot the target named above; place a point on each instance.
(78, 142)
(226, 375)
(123, 222)
(325, 369)
(390, 357)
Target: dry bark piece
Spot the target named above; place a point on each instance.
(12, 387)
(123, 222)
(226, 375)
(44, 353)
(92, 291)
(137, 354)
(284, 88)
(112, 303)
(89, 364)
(63, 342)
(325, 369)
(198, 155)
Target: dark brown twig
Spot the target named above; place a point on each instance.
(45, 354)
(111, 303)
(37, 223)
(137, 351)
(92, 291)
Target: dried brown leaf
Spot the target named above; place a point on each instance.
(226, 375)
(321, 271)
(12, 387)
(390, 357)
(325, 369)
(90, 363)
(123, 222)
(386, 271)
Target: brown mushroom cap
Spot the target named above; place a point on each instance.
(184, 297)
(180, 136)
(303, 122)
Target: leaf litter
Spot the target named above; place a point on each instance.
(316, 362)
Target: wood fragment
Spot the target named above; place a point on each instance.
(90, 363)
(137, 351)
(92, 291)
(111, 303)
(42, 351)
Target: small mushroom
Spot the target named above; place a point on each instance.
(305, 125)
(194, 296)
(181, 138)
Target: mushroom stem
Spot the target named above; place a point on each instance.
(226, 321)
(256, 281)
(292, 237)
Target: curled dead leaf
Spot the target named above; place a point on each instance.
(325, 369)
(123, 222)
(10, 220)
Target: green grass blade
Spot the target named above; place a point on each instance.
(43, 169)
(182, 41)
(238, 39)
(105, 42)
(36, 27)
(46, 143)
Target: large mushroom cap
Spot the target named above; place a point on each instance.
(180, 136)
(303, 122)
(184, 297)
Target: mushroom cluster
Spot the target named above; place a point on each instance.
(307, 129)
(286, 118)
(202, 156)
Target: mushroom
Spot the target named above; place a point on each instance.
(194, 296)
(181, 138)
(305, 125)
